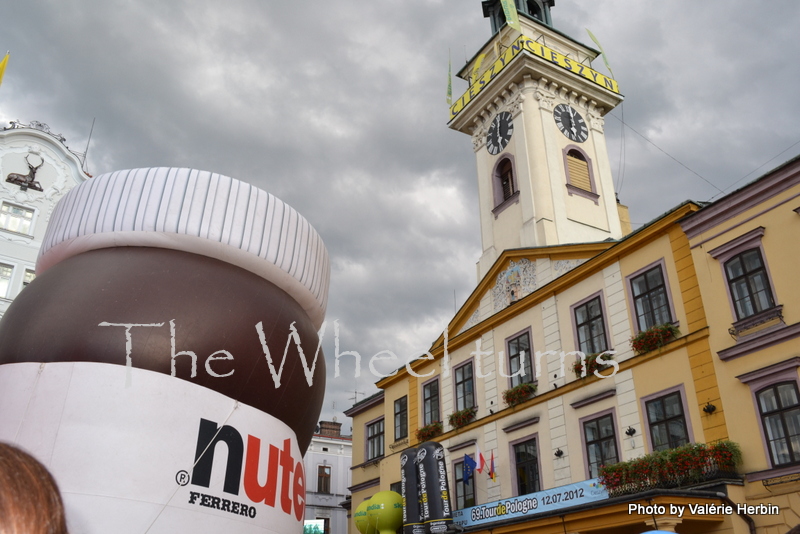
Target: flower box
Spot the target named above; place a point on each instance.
(682, 466)
(428, 432)
(590, 364)
(519, 394)
(654, 337)
(462, 417)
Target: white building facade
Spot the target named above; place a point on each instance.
(327, 463)
(36, 170)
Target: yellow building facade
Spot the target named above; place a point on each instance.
(695, 316)
(713, 384)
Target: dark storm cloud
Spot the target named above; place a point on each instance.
(339, 109)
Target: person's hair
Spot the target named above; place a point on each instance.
(30, 502)
(795, 530)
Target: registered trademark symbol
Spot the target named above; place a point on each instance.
(182, 478)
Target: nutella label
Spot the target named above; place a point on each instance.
(162, 455)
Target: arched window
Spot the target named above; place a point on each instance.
(537, 9)
(504, 183)
(578, 170)
(532, 8)
(506, 175)
(580, 179)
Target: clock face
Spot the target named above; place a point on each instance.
(570, 123)
(499, 133)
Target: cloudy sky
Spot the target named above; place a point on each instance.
(338, 108)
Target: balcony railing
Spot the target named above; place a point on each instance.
(689, 465)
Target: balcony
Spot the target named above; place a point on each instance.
(691, 465)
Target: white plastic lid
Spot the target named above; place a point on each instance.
(193, 211)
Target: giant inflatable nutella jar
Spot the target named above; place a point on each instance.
(164, 364)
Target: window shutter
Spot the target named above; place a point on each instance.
(578, 171)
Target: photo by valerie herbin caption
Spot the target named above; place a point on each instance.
(146, 391)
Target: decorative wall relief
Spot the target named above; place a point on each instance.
(563, 266)
(517, 281)
(473, 320)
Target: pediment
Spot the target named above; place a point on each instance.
(517, 274)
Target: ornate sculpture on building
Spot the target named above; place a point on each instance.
(25, 181)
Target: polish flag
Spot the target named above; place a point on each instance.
(481, 459)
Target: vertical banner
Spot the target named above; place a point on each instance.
(409, 488)
(510, 11)
(434, 490)
(449, 80)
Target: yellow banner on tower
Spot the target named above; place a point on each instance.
(528, 45)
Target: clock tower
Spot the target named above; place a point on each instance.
(534, 110)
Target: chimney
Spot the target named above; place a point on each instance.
(331, 429)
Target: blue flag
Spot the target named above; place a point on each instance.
(469, 467)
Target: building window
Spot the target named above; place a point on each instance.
(519, 357)
(465, 394)
(430, 403)
(401, 418)
(324, 479)
(326, 524)
(526, 466)
(506, 175)
(504, 184)
(498, 18)
(531, 8)
(28, 277)
(465, 493)
(375, 440)
(650, 300)
(780, 414)
(601, 443)
(5, 278)
(667, 422)
(578, 171)
(16, 218)
(748, 283)
(579, 175)
(745, 270)
(774, 391)
(396, 487)
(590, 326)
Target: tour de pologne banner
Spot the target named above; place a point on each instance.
(583, 492)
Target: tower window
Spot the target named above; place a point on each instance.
(536, 9)
(578, 168)
(504, 184)
(531, 8)
(506, 179)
